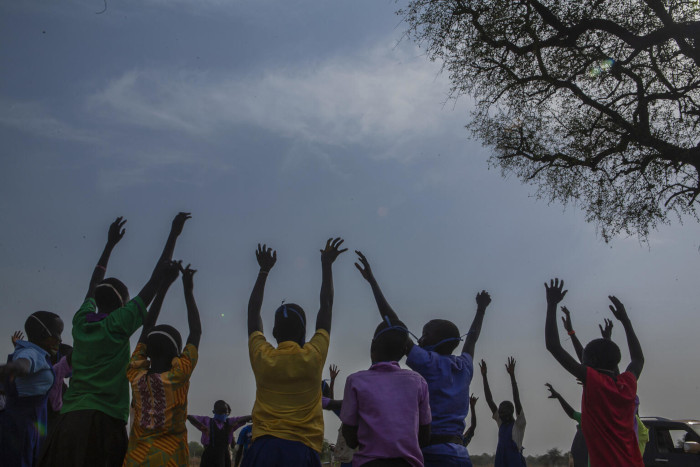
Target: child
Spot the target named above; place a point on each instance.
(469, 434)
(579, 452)
(287, 417)
(608, 397)
(511, 431)
(448, 376)
(160, 379)
(386, 410)
(217, 434)
(245, 438)
(341, 452)
(92, 427)
(27, 377)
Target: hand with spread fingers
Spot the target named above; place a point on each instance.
(555, 291)
(267, 257)
(363, 266)
(606, 331)
(332, 250)
(16, 336)
(116, 231)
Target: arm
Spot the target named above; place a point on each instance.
(555, 294)
(482, 301)
(350, 435)
(424, 435)
(266, 260)
(154, 311)
(487, 388)
(469, 434)
(19, 367)
(334, 405)
(334, 374)
(636, 354)
(510, 368)
(175, 231)
(328, 256)
(16, 336)
(197, 424)
(564, 405)
(239, 455)
(193, 320)
(566, 319)
(116, 232)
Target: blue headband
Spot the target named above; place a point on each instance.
(283, 308)
(431, 348)
(391, 327)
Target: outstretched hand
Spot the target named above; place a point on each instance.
(483, 299)
(16, 336)
(334, 372)
(179, 222)
(267, 257)
(116, 231)
(606, 331)
(172, 272)
(331, 250)
(482, 367)
(566, 319)
(365, 269)
(187, 277)
(553, 394)
(510, 366)
(472, 401)
(555, 292)
(165, 270)
(618, 309)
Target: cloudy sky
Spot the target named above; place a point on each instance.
(286, 123)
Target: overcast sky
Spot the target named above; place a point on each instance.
(287, 123)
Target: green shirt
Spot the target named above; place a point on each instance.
(100, 356)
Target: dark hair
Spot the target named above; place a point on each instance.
(222, 406)
(508, 411)
(442, 329)
(111, 294)
(602, 354)
(290, 323)
(389, 343)
(43, 324)
(161, 346)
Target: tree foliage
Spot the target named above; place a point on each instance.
(594, 102)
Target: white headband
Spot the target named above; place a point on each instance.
(163, 333)
(42, 324)
(105, 284)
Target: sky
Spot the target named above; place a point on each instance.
(287, 123)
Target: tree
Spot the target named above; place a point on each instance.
(196, 449)
(596, 103)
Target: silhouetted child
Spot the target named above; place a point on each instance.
(386, 409)
(607, 405)
(287, 416)
(469, 434)
(27, 378)
(217, 434)
(448, 376)
(342, 453)
(160, 379)
(91, 430)
(510, 420)
(579, 451)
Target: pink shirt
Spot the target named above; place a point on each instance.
(61, 371)
(203, 426)
(387, 404)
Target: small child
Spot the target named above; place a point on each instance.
(160, 379)
(217, 434)
(579, 452)
(511, 430)
(245, 439)
(386, 409)
(608, 403)
(287, 415)
(27, 378)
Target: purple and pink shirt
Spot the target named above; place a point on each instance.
(387, 404)
(203, 426)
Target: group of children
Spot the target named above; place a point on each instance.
(390, 416)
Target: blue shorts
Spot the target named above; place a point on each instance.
(268, 451)
(437, 460)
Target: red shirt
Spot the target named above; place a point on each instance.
(608, 419)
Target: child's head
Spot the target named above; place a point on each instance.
(290, 324)
(440, 335)
(44, 329)
(389, 342)
(602, 354)
(163, 343)
(221, 408)
(506, 410)
(111, 294)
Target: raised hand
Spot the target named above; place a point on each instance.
(606, 331)
(172, 272)
(482, 367)
(179, 222)
(331, 250)
(555, 292)
(164, 271)
(566, 319)
(187, 277)
(334, 372)
(472, 401)
(116, 231)
(510, 366)
(553, 394)
(16, 336)
(267, 257)
(618, 309)
(483, 299)
(365, 269)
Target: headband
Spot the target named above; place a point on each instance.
(51, 334)
(105, 284)
(430, 348)
(163, 333)
(284, 309)
(391, 327)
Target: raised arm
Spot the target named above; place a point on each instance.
(636, 354)
(115, 233)
(555, 294)
(267, 257)
(510, 368)
(569, 328)
(175, 231)
(482, 301)
(564, 405)
(334, 374)
(195, 324)
(606, 331)
(487, 389)
(154, 311)
(328, 256)
(469, 434)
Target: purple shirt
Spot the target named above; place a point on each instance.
(203, 426)
(61, 371)
(387, 404)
